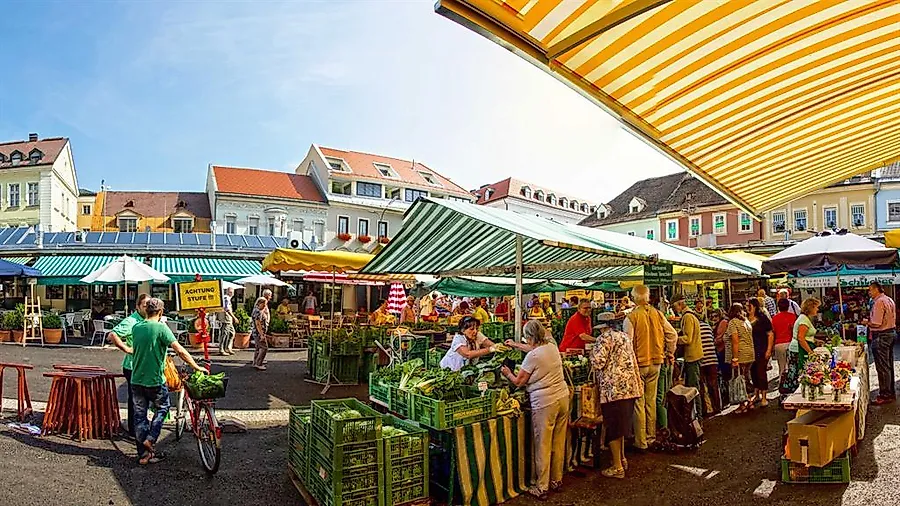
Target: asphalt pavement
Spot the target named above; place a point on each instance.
(739, 463)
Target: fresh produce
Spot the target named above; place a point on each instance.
(206, 386)
(507, 404)
(391, 431)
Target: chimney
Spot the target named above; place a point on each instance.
(32, 137)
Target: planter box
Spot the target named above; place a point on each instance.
(52, 336)
(279, 340)
(18, 335)
(242, 340)
(5, 336)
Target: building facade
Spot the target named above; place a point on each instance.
(849, 204)
(85, 209)
(887, 197)
(267, 203)
(367, 194)
(635, 211)
(527, 198)
(176, 212)
(38, 185)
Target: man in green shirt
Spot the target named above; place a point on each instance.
(693, 345)
(151, 339)
(120, 333)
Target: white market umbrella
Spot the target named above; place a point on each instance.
(125, 269)
(228, 284)
(396, 298)
(260, 280)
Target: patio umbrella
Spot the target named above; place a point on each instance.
(260, 280)
(396, 298)
(13, 269)
(830, 248)
(124, 269)
(228, 284)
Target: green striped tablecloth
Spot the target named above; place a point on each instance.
(493, 460)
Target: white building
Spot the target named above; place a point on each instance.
(367, 194)
(264, 202)
(38, 183)
(526, 198)
(635, 211)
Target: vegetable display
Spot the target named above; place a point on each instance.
(206, 386)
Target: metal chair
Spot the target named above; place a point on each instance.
(78, 323)
(179, 329)
(101, 328)
(68, 323)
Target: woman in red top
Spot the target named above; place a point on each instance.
(578, 329)
(783, 327)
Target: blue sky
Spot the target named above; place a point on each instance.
(151, 93)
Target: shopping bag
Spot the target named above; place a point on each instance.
(173, 379)
(589, 401)
(737, 388)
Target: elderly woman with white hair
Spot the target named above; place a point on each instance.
(259, 329)
(542, 376)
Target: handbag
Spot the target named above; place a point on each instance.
(173, 379)
(737, 388)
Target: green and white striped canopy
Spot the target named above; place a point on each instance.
(448, 238)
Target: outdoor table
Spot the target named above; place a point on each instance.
(23, 408)
(83, 402)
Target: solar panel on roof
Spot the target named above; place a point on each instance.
(141, 238)
(93, 238)
(109, 238)
(203, 239)
(5, 234)
(268, 242)
(28, 238)
(18, 234)
(157, 239)
(222, 240)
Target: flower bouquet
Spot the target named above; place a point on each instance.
(840, 379)
(815, 374)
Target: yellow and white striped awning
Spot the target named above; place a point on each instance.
(764, 100)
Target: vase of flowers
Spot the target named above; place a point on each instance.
(815, 375)
(840, 379)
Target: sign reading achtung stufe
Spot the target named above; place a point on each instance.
(197, 294)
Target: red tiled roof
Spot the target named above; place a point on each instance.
(51, 148)
(266, 183)
(362, 165)
(157, 204)
(513, 187)
(500, 190)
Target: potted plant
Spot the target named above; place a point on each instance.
(16, 322)
(384, 239)
(279, 332)
(52, 324)
(5, 327)
(364, 239)
(241, 328)
(344, 237)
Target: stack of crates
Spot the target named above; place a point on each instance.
(406, 459)
(346, 454)
(298, 441)
(417, 348)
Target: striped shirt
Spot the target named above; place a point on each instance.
(709, 345)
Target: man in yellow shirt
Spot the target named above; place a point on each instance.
(479, 313)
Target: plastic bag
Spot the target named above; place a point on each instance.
(737, 388)
(173, 379)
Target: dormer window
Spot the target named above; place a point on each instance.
(130, 203)
(337, 165)
(386, 170)
(180, 204)
(551, 199)
(563, 202)
(526, 192)
(35, 155)
(584, 208)
(636, 205)
(602, 211)
(488, 193)
(539, 196)
(15, 157)
(573, 205)
(430, 179)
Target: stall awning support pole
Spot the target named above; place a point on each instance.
(840, 299)
(728, 287)
(519, 299)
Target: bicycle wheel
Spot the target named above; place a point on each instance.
(180, 418)
(208, 438)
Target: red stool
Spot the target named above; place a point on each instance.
(24, 400)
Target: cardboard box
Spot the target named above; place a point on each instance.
(815, 438)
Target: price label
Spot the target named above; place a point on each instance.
(482, 386)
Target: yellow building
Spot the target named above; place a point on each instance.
(848, 205)
(181, 212)
(86, 199)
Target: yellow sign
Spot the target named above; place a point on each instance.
(197, 294)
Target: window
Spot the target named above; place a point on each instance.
(253, 226)
(33, 197)
(539, 195)
(429, 178)
(183, 225)
(800, 220)
(86, 209)
(391, 193)
(340, 187)
(338, 165)
(297, 226)
(720, 227)
(551, 199)
(382, 229)
(271, 223)
(14, 195)
(694, 225)
(128, 224)
(414, 195)
(526, 192)
(633, 209)
(650, 234)
(672, 230)
(15, 157)
(631, 233)
(319, 229)
(830, 217)
(858, 212)
(362, 227)
(585, 208)
(778, 221)
(343, 226)
(385, 170)
(230, 224)
(563, 202)
(746, 223)
(35, 155)
(368, 189)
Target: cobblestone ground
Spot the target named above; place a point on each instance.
(738, 464)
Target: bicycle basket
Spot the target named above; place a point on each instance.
(206, 386)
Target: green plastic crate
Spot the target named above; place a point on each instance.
(445, 415)
(342, 481)
(298, 441)
(345, 369)
(379, 391)
(369, 365)
(418, 347)
(400, 401)
(337, 432)
(433, 358)
(837, 471)
(406, 459)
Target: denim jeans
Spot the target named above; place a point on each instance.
(144, 397)
(883, 344)
(130, 422)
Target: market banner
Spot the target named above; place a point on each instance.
(493, 460)
(658, 274)
(855, 280)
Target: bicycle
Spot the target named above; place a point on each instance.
(204, 425)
